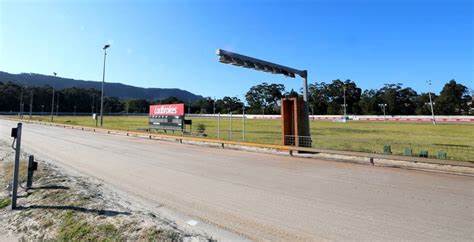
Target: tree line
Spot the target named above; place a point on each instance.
(323, 98)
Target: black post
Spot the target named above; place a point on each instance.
(16, 133)
(32, 166)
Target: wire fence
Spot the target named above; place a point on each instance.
(332, 136)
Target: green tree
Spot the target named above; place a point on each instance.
(318, 98)
(453, 99)
(335, 94)
(400, 101)
(265, 98)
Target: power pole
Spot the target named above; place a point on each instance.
(431, 104)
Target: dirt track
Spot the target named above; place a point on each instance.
(265, 196)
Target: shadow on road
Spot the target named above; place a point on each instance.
(108, 213)
(49, 187)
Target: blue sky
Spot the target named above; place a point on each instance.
(173, 43)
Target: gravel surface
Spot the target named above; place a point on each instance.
(65, 207)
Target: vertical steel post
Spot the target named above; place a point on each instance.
(243, 123)
(431, 104)
(219, 126)
(102, 92)
(384, 113)
(29, 180)
(306, 124)
(230, 126)
(16, 166)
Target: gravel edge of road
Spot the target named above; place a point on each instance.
(61, 206)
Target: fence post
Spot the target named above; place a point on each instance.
(17, 135)
(31, 168)
(243, 123)
(218, 125)
(230, 126)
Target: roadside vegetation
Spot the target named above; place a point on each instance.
(457, 140)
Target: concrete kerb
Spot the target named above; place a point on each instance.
(415, 163)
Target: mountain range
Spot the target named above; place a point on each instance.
(111, 89)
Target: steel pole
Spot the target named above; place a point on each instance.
(243, 123)
(384, 117)
(431, 104)
(230, 126)
(102, 92)
(306, 125)
(16, 166)
(218, 125)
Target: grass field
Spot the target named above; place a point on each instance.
(455, 139)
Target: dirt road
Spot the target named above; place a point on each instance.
(264, 196)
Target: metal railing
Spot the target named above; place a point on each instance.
(239, 128)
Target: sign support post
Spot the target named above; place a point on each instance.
(16, 133)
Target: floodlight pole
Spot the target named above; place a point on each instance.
(214, 106)
(431, 104)
(102, 88)
(383, 106)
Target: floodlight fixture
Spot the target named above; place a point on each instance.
(235, 59)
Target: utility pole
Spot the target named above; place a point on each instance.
(102, 88)
(431, 104)
(52, 102)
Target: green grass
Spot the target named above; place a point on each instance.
(5, 202)
(455, 139)
(75, 229)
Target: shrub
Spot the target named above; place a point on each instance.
(201, 128)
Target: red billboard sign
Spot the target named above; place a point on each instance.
(167, 110)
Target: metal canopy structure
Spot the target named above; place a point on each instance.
(235, 59)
